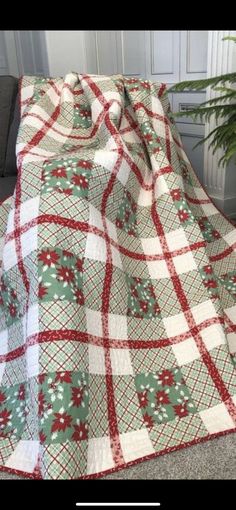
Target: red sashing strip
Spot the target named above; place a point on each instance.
(216, 378)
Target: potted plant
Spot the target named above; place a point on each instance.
(223, 108)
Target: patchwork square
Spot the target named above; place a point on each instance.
(176, 325)
(217, 419)
(158, 269)
(184, 263)
(99, 455)
(121, 362)
(186, 351)
(136, 443)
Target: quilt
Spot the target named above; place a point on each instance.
(118, 285)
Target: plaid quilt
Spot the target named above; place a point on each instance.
(118, 285)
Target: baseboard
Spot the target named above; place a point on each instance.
(227, 205)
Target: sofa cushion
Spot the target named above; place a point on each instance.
(8, 92)
(10, 162)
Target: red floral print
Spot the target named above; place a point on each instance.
(41, 399)
(148, 137)
(68, 254)
(85, 164)
(12, 310)
(119, 223)
(21, 393)
(202, 224)
(13, 294)
(208, 270)
(77, 396)
(42, 291)
(134, 291)
(2, 397)
(162, 397)
(210, 284)
(216, 234)
(65, 274)
(61, 422)
(143, 398)
(48, 257)
(79, 297)
(63, 377)
(66, 191)
(148, 421)
(145, 85)
(79, 180)
(181, 410)
(59, 172)
(176, 195)
(183, 215)
(156, 308)
(41, 378)
(166, 378)
(42, 437)
(85, 113)
(80, 433)
(79, 265)
(5, 416)
(143, 306)
(3, 287)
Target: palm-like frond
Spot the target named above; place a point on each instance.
(222, 107)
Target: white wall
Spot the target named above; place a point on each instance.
(65, 51)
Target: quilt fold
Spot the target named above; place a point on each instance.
(118, 285)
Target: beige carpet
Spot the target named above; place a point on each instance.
(214, 460)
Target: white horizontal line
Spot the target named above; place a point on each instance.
(118, 504)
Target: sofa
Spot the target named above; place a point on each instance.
(10, 120)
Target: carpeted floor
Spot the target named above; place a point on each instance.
(214, 460)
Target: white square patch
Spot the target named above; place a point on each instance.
(151, 246)
(160, 186)
(231, 338)
(185, 351)
(176, 239)
(25, 456)
(95, 248)
(96, 360)
(2, 370)
(204, 311)
(9, 257)
(121, 362)
(99, 455)
(231, 313)
(209, 209)
(94, 322)
(176, 324)
(230, 238)
(32, 360)
(217, 419)
(213, 336)
(3, 342)
(117, 327)
(29, 241)
(136, 444)
(32, 321)
(145, 198)
(158, 269)
(184, 263)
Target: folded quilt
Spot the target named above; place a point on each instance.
(118, 285)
